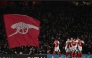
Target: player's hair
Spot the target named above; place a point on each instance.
(77, 37)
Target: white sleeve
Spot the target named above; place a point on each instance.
(77, 41)
(82, 41)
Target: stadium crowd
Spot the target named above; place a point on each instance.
(56, 22)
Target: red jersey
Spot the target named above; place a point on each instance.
(80, 42)
(56, 42)
(70, 45)
(73, 43)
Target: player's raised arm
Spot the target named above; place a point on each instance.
(82, 41)
(58, 42)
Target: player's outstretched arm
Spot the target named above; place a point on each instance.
(83, 42)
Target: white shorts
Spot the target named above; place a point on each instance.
(56, 49)
(74, 48)
(79, 48)
(70, 49)
(67, 49)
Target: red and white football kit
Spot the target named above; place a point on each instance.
(70, 46)
(56, 48)
(67, 46)
(80, 45)
(74, 45)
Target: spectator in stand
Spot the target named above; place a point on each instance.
(56, 22)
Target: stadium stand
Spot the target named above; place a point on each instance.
(60, 22)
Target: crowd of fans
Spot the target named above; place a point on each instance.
(56, 22)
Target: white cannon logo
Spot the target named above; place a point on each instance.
(22, 28)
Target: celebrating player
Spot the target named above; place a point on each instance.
(79, 55)
(74, 47)
(70, 47)
(56, 48)
(67, 49)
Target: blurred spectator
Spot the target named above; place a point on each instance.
(56, 22)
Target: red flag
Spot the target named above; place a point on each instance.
(21, 30)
